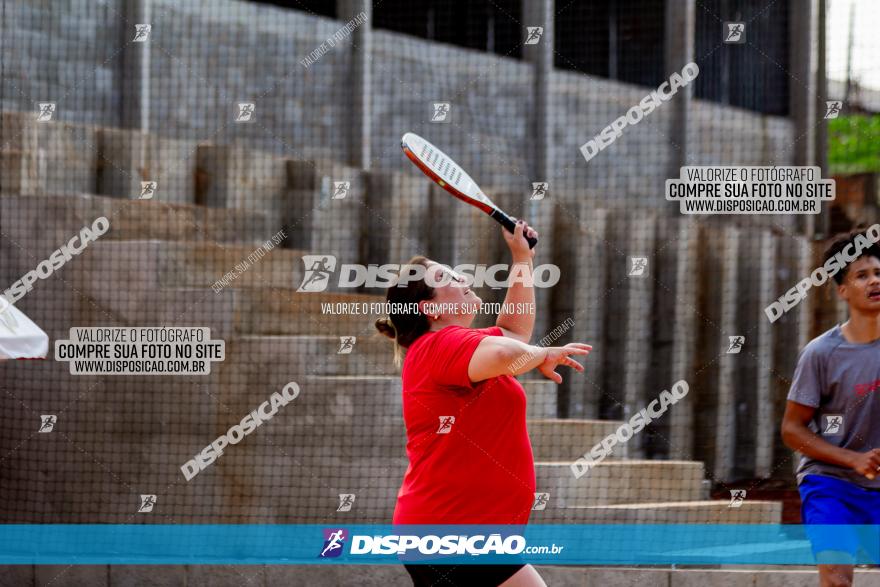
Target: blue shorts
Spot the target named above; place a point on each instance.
(827, 502)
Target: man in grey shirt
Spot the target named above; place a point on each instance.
(833, 419)
(841, 380)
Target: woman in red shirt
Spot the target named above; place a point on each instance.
(470, 456)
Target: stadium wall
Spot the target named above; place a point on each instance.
(252, 52)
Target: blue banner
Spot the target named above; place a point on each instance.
(572, 544)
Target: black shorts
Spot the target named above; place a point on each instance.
(426, 575)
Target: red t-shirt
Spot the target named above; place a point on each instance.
(479, 469)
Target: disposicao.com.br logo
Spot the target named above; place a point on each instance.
(320, 271)
(430, 544)
(334, 542)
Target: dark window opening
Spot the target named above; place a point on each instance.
(620, 40)
(617, 39)
(314, 7)
(486, 26)
(752, 75)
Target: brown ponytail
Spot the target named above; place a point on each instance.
(405, 328)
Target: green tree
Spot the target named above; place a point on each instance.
(854, 144)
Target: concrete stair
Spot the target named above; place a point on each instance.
(621, 482)
(255, 311)
(54, 217)
(199, 264)
(557, 439)
(202, 264)
(288, 312)
(348, 417)
(344, 434)
(363, 392)
(325, 575)
(268, 361)
(665, 512)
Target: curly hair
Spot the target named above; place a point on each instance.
(843, 240)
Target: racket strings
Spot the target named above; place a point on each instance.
(441, 165)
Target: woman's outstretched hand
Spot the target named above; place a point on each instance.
(560, 355)
(519, 246)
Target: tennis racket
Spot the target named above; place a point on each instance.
(450, 176)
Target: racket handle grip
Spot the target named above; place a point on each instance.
(508, 223)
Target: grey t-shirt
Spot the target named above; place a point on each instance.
(842, 381)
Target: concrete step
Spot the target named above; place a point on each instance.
(265, 477)
(275, 311)
(96, 159)
(105, 306)
(305, 490)
(59, 155)
(199, 264)
(541, 395)
(309, 208)
(127, 157)
(208, 264)
(681, 512)
(355, 416)
(56, 217)
(559, 439)
(621, 482)
(384, 575)
(272, 360)
(238, 176)
(220, 266)
(573, 576)
(284, 311)
(334, 417)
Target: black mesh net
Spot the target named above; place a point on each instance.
(218, 183)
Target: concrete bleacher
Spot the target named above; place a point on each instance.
(395, 575)
(345, 433)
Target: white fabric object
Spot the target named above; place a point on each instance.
(20, 338)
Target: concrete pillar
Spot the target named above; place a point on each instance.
(802, 90)
(678, 51)
(361, 57)
(135, 73)
(234, 176)
(725, 426)
(685, 334)
(128, 148)
(638, 294)
(539, 13)
(821, 146)
(123, 156)
(399, 205)
(312, 201)
(766, 429)
(802, 82)
(19, 173)
(19, 155)
(584, 248)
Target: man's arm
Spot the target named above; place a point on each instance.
(797, 436)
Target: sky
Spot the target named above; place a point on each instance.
(866, 40)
